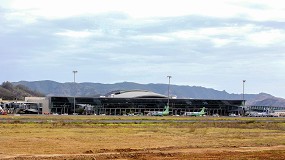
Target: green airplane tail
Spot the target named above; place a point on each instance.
(203, 110)
(166, 110)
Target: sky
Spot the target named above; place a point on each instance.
(213, 44)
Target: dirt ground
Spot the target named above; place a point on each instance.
(142, 141)
(171, 153)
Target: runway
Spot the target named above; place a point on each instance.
(131, 120)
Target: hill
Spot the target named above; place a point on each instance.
(8, 91)
(52, 88)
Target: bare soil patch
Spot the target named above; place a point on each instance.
(272, 152)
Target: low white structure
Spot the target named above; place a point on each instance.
(135, 94)
(280, 113)
(43, 103)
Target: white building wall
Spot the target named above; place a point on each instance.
(43, 101)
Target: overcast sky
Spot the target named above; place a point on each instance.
(214, 44)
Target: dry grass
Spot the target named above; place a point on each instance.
(79, 138)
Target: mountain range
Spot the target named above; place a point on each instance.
(8, 91)
(52, 88)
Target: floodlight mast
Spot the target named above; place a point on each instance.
(74, 72)
(168, 89)
(243, 81)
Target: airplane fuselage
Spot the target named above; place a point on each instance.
(164, 113)
(201, 113)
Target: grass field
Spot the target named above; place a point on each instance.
(205, 138)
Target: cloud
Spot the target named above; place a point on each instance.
(198, 44)
(76, 34)
(266, 37)
(54, 9)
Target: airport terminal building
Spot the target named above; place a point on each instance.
(138, 102)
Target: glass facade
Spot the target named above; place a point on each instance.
(125, 106)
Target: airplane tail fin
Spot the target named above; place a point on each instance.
(166, 108)
(203, 110)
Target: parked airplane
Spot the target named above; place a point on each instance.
(201, 113)
(260, 114)
(31, 111)
(163, 113)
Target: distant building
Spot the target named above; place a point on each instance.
(41, 104)
(138, 102)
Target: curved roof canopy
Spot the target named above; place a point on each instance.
(135, 94)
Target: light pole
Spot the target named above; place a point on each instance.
(243, 81)
(74, 72)
(168, 89)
